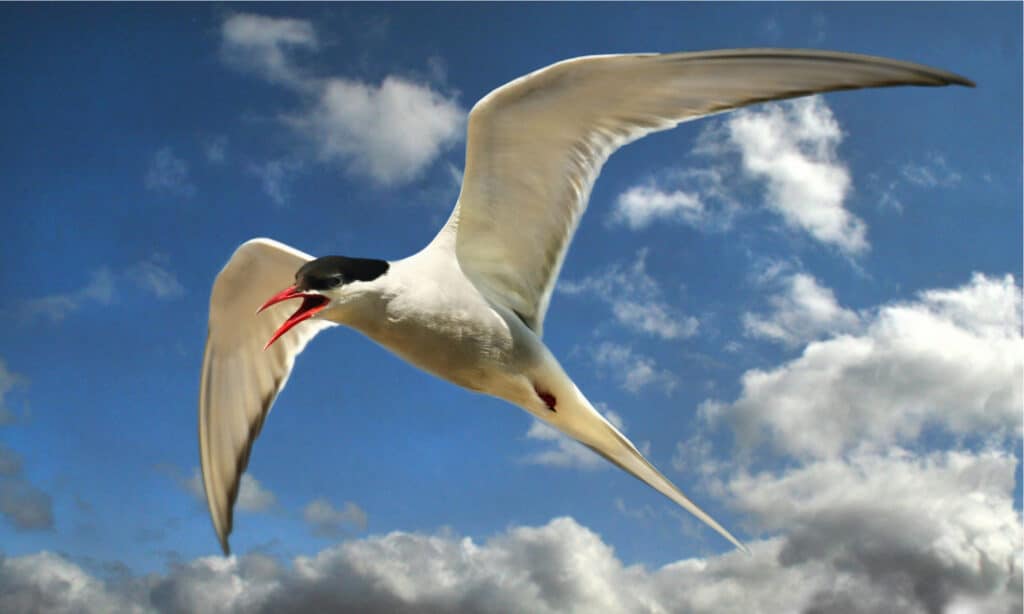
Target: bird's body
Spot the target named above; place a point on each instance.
(469, 307)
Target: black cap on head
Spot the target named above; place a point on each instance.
(333, 271)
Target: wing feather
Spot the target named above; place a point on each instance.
(536, 145)
(239, 379)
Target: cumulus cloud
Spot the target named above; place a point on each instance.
(789, 150)
(803, 310)
(563, 451)
(928, 531)
(168, 173)
(635, 299)
(792, 148)
(952, 358)
(325, 520)
(565, 567)
(389, 132)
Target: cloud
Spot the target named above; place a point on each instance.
(252, 496)
(563, 451)
(791, 148)
(153, 277)
(216, 149)
(788, 150)
(150, 275)
(56, 307)
(927, 531)
(168, 173)
(802, 311)
(951, 359)
(388, 132)
(934, 172)
(325, 520)
(633, 371)
(640, 206)
(262, 45)
(26, 507)
(275, 176)
(635, 299)
(562, 566)
(8, 381)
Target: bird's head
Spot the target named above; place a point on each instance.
(322, 283)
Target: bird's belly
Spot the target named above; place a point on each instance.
(478, 353)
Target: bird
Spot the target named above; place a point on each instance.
(469, 307)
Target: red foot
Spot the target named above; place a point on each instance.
(548, 398)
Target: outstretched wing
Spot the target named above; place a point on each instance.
(536, 145)
(240, 380)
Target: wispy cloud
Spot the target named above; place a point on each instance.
(167, 173)
(632, 370)
(215, 149)
(25, 506)
(635, 299)
(150, 275)
(934, 172)
(389, 131)
(263, 45)
(275, 176)
(325, 520)
(153, 276)
(56, 307)
(802, 310)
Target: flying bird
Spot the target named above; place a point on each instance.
(469, 307)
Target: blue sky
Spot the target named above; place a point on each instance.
(809, 313)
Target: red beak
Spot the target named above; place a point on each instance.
(311, 304)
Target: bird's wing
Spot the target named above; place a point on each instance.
(240, 380)
(536, 145)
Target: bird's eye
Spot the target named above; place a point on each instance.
(333, 282)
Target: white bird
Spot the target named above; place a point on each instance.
(469, 307)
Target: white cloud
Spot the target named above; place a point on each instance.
(640, 206)
(24, 505)
(953, 359)
(275, 176)
(635, 299)
(791, 147)
(563, 451)
(325, 520)
(252, 496)
(562, 566)
(924, 529)
(169, 174)
(934, 172)
(389, 132)
(632, 370)
(154, 277)
(262, 44)
(56, 307)
(803, 310)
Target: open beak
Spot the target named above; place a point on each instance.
(311, 304)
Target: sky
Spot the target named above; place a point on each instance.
(807, 314)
